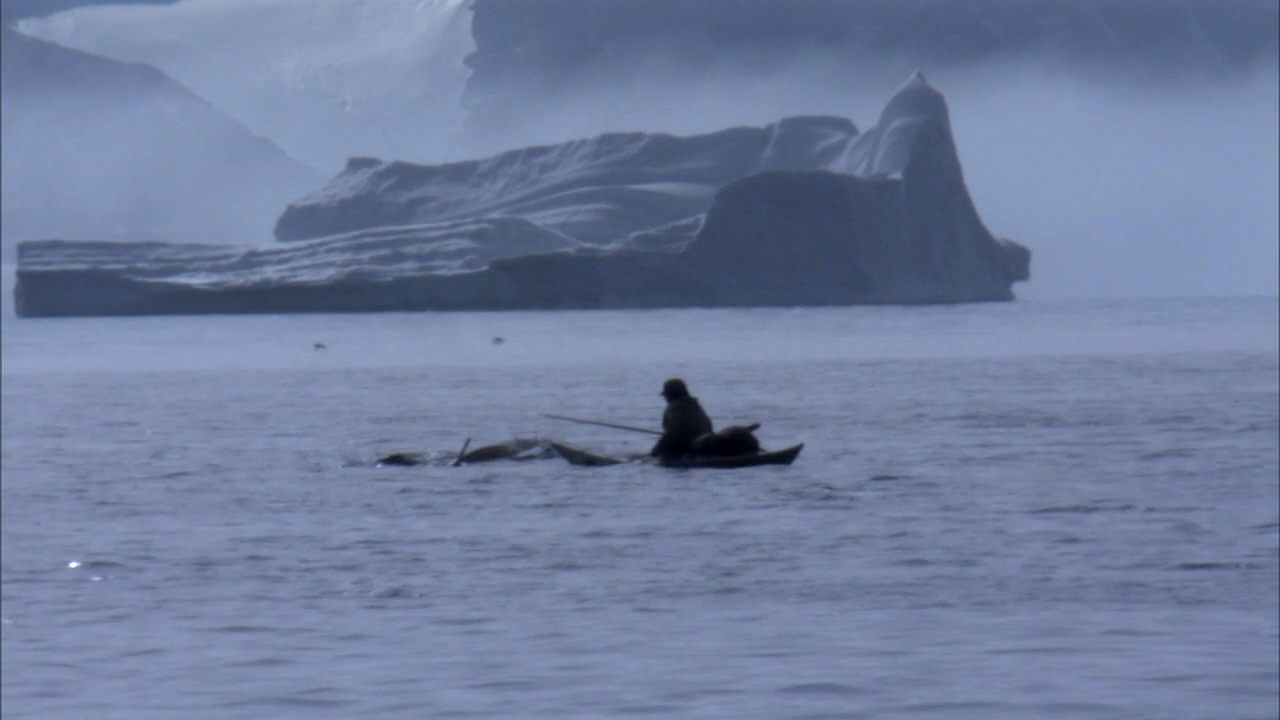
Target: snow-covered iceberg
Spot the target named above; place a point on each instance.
(804, 211)
(598, 190)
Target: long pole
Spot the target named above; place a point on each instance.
(461, 453)
(601, 423)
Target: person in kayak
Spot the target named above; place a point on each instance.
(686, 429)
(683, 422)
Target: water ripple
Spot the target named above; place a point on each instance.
(823, 688)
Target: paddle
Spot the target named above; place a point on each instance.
(601, 423)
(461, 453)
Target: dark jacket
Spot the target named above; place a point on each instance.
(682, 422)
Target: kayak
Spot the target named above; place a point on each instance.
(577, 456)
(785, 456)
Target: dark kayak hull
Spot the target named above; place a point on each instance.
(776, 457)
(577, 456)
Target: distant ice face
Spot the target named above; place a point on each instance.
(324, 80)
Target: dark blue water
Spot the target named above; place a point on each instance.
(1036, 509)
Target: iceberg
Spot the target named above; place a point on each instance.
(805, 211)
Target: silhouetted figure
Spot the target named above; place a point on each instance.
(683, 422)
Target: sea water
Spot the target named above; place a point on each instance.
(1048, 509)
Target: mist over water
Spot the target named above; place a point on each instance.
(1124, 190)
(1121, 187)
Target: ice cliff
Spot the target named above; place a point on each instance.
(804, 211)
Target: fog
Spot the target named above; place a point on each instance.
(1126, 191)
(119, 163)
(324, 80)
(1121, 187)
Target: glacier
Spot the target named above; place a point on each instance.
(323, 80)
(804, 211)
(104, 150)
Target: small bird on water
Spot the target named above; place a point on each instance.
(319, 346)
